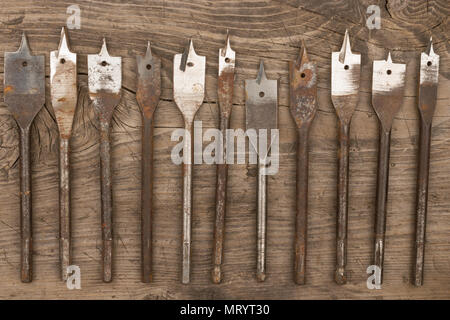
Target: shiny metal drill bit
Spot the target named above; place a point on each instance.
(188, 93)
(63, 90)
(105, 83)
(388, 81)
(24, 90)
(345, 73)
(428, 83)
(147, 96)
(225, 83)
(261, 106)
(303, 106)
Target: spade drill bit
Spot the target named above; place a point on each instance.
(105, 81)
(428, 80)
(188, 92)
(345, 73)
(261, 107)
(388, 81)
(63, 89)
(24, 89)
(147, 96)
(225, 84)
(303, 96)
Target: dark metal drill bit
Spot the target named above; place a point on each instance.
(225, 84)
(261, 107)
(428, 82)
(387, 96)
(105, 82)
(63, 90)
(188, 93)
(24, 89)
(303, 105)
(147, 96)
(345, 73)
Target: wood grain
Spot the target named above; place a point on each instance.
(269, 30)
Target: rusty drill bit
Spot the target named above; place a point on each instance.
(147, 96)
(388, 81)
(63, 90)
(428, 80)
(261, 114)
(24, 89)
(345, 73)
(303, 106)
(225, 84)
(188, 92)
(105, 82)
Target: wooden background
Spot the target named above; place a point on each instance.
(269, 30)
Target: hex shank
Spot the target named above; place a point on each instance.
(381, 198)
(261, 223)
(342, 196)
(64, 207)
(301, 220)
(106, 194)
(221, 202)
(25, 206)
(422, 199)
(147, 199)
(188, 160)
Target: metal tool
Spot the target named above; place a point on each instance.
(225, 84)
(105, 82)
(345, 73)
(388, 82)
(24, 89)
(303, 106)
(188, 92)
(261, 107)
(63, 90)
(147, 96)
(428, 81)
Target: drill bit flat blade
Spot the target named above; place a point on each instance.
(345, 74)
(149, 82)
(428, 80)
(105, 81)
(189, 81)
(261, 110)
(63, 85)
(303, 88)
(24, 83)
(388, 81)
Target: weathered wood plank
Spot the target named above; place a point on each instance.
(269, 30)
